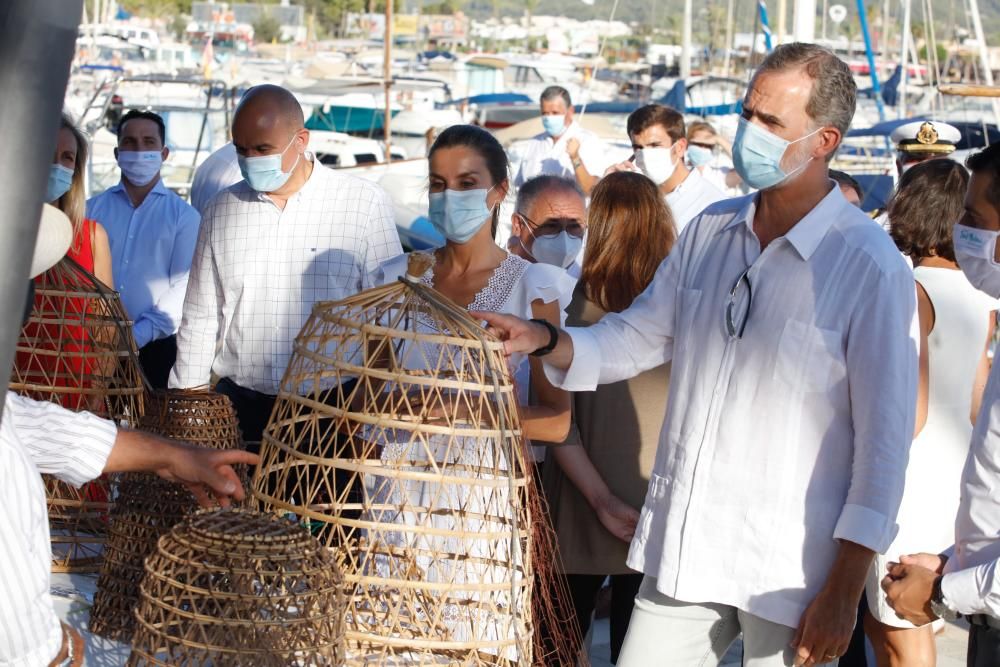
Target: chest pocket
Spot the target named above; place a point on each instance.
(809, 358)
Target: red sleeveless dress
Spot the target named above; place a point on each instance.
(70, 367)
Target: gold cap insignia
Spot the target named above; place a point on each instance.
(927, 134)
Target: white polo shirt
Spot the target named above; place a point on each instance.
(545, 155)
(691, 197)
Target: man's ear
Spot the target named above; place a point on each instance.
(165, 153)
(515, 224)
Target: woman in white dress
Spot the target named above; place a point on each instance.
(468, 181)
(956, 322)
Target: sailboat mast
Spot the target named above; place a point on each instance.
(387, 75)
(685, 68)
(729, 38)
(805, 20)
(904, 54)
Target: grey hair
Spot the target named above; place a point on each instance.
(834, 94)
(552, 92)
(534, 188)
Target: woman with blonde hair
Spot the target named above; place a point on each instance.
(67, 192)
(597, 479)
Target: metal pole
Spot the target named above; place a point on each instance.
(805, 20)
(782, 14)
(37, 41)
(904, 54)
(729, 37)
(762, 10)
(387, 115)
(685, 69)
(876, 86)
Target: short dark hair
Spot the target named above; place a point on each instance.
(646, 117)
(136, 114)
(552, 92)
(533, 188)
(845, 180)
(928, 201)
(987, 161)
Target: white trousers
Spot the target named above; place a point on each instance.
(664, 631)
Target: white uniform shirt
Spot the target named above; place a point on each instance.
(778, 444)
(258, 270)
(691, 197)
(38, 438)
(545, 155)
(971, 584)
(215, 174)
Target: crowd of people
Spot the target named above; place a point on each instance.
(764, 415)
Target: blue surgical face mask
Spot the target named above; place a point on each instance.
(458, 214)
(554, 125)
(140, 167)
(699, 156)
(60, 181)
(559, 250)
(757, 156)
(263, 173)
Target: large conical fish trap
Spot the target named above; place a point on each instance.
(148, 506)
(413, 471)
(77, 350)
(233, 588)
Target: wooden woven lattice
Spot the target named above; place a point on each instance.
(231, 587)
(77, 350)
(414, 471)
(148, 506)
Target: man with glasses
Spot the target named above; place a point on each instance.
(549, 223)
(789, 320)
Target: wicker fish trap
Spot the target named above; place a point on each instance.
(148, 506)
(396, 437)
(77, 350)
(238, 588)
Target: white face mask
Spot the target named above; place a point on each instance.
(656, 163)
(975, 250)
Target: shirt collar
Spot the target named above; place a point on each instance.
(158, 189)
(808, 232)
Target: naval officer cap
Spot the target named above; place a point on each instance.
(926, 138)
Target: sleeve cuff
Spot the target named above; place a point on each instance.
(865, 526)
(585, 370)
(92, 450)
(961, 591)
(142, 331)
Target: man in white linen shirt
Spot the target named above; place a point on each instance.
(564, 148)
(790, 323)
(290, 234)
(928, 586)
(660, 145)
(38, 437)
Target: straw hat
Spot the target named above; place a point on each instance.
(55, 234)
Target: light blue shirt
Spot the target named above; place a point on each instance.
(151, 251)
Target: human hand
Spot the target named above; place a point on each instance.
(573, 148)
(617, 516)
(908, 590)
(518, 335)
(207, 473)
(627, 165)
(825, 628)
(933, 562)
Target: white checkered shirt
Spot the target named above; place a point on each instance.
(258, 270)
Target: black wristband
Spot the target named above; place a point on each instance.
(553, 338)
